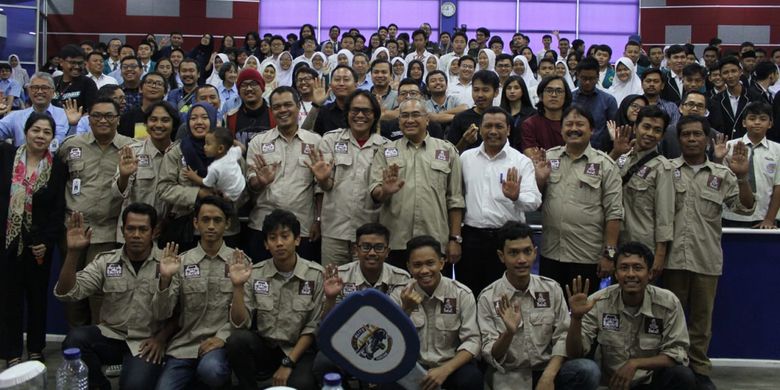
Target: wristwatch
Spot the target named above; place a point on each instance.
(287, 362)
(457, 239)
(610, 252)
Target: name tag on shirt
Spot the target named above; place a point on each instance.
(714, 182)
(75, 188)
(114, 270)
(450, 306)
(144, 161)
(771, 167)
(341, 147)
(555, 164)
(391, 152)
(442, 155)
(610, 321)
(261, 287)
(74, 154)
(592, 169)
(643, 172)
(677, 173)
(192, 271)
(542, 300)
(268, 148)
(306, 148)
(654, 325)
(306, 287)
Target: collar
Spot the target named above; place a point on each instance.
(465, 85)
(589, 153)
(299, 271)
(640, 155)
(275, 133)
(91, 139)
(501, 154)
(151, 258)
(374, 139)
(647, 302)
(149, 148)
(408, 143)
(533, 286)
(360, 279)
(389, 90)
(223, 254)
(442, 290)
(680, 161)
(746, 140)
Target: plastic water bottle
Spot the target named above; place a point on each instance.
(332, 381)
(72, 374)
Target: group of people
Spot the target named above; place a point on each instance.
(210, 212)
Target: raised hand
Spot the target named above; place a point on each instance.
(266, 173)
(510, 186)
(391, 183)
(739, 163)
(239, 269)
(410, 298)
(509, 313)
(470, 136)
(542, 168)
(579, 304)
(72, 111)
(719, 147)
(319, 93)
(78, 235)
(333, 283)
(320, 168)
(622, 143)
(128, 164)
(170, 263)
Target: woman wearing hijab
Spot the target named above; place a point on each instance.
(270, 78)
(213, 78)
(19, 74)
(343, 57)
(521, 68)
(626, 81)
(202, 52)
(562, 70)
(530, 57)
(284, 72)
(453, 68)
(398, 70)
(254, 63)
(486, 60)
(32, 189)
(380, 52)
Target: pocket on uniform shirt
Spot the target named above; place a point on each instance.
(447, 326)
(114, 286)
(710, 206)
(441, 173)
(589, 191)
(542, 322)
(145, 174)
(75, 166)
(650, 343)
(642, 195)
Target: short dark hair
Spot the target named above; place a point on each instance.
(421, 242)
(158, 74)
(711, 48)
(503, 57)
(563, 39)
(484, 31)
(172, 112)
(715, 41)
(582, 111)
(203, 87)
(759, 108)
(729, 60)
(540, 92)
(418, 32)
(650, 71)
(132, 58)
(281, 219)
(107, 91)
(409, 81)
(746, 44)
(223, 136)
(634, 248)
(351, 71)
(216, 201)
(460, 34)
(72, 51)
(37, 116)
(674, 49)
(142, 209)
(276, 38)
(435, 72)
(546, 36)
(372, 228)
(487, 77)
(652, 111)
(283, 89)
(380, 61)
(375, 106)
(688, 119)
(499, 110)
(105, 101)
(547, 60)
(496, 39)
(226, 68)
(693, 70)
(689, 93)
(605, 48)
(764, 69)
(513, 230)
(748, 54)
(467, 58)
(94, 53)
(632, 43)
(587, 63)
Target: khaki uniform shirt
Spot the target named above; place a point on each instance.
(658, 327)
(446, 322)
(392, 278)
(541, 335)
(286, 309)
(580, 196)
(293, 187)
(433, 185)
(178, 193)
(141, 186)
(699, 201)
(126, 313)
(203, 291)
(648, 200)
(348, 205)
(90, 173)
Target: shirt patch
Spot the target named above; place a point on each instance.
(227, 270)
(654, 325)
(622, 160)
(348, 288)
(391, 152)
(714, 182)
(771, 167)
(610, 321)
(592, 169)
(192, 271)
(442, 155)
(497, 306)
(306, 148)
(114, 270)
(643, 172)
(341, 147)
(541, 299)
(677, 173)
(306, 287)
(144, 161)
(268, 148)
(555, 164)
(74, 154)
(450, 306)
(261, 287)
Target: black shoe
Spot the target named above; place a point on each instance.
(36, 356)
(703, 382)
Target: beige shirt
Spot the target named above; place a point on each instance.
(348, 205)
(433, 185)
(203, 291)
(541, 335)
(126, 312)
(392, 278)
(293, 187)
(580, 197)
(142, 185)
(286, 309)
(657, 327)
(88, 189)
(699, 200)
(648, 200)
(446, 322)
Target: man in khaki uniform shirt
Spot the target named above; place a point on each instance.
(128, 333)
(279, 176)
(702, 189)
(640, 329)
(369, 271)
(342, 168)
(418, 181)
(198, 283)
(92, 160)
(648, 192)
(283, 295)
(582, 205)
(445, 315)
(523, 318)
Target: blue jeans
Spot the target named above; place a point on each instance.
(211, 369)
(578, 374)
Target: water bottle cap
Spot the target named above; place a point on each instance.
(332, 379)
(72, 353)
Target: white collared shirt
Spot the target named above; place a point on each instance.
(462, 91)
(679, 81)
(766, 158)
(102, 80)
(734, 101)
(486, 205)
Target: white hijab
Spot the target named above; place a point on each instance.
(260, 65)
(567, 75)
(451, 76)
(284, 77)
(214, 76)
(333, 61)
(491, 60)
(393, 62)
(425, 66)
(528, 74)
(269, 87)
(379, 50)
(324, 68)
(18, 73)
(632, 86)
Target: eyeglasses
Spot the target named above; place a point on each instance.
(694, 106)
(378, 248)
(354, 111)
(635, 106)
(129, 66)
(246, 85)
(554, 91)
(587, 79)
(305, 79)
(76, 63)
(412, 115)
(99, 116)
(155, 83)
(409, 93)
(40, 88)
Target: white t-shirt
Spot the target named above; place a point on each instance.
(225, 174)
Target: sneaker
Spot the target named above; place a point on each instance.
(36, 356)
(703, 382)
(114, 370)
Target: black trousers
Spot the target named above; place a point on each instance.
(479, 265)
(255, 248)
(249, 355)
(24, 286)
(564, 273)
(671, 378)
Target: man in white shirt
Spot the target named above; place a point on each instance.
(462, 86)
(459, 41)
(95, 70)
(419, 53)
(499, 186)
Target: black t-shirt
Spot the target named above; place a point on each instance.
(392, 130)
(249, 123)
(330, 117)
(81, 88)
(128, 120)
(460, 123)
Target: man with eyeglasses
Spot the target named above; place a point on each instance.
(41, 89)
(381, 77)
(131, 82)
(542, 131)
(504, 70)
(417, 180)
(133, 122)
(408, 89)
(92, 159)
(692, 103)
(371, 248)
(252, 116)
(598, 102)
(462, 86)
(332, 116)
(305, 80)
(73, 84)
